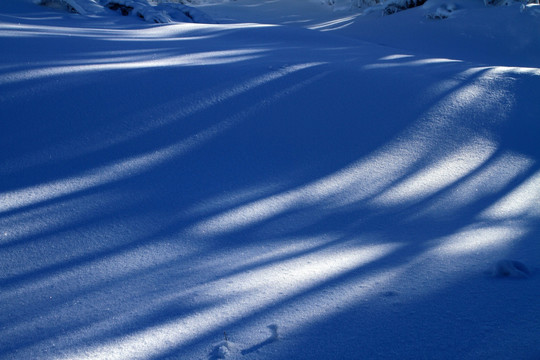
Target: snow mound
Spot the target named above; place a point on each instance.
(510, 268)
(163, 12)
(223, 350)
(442, 12)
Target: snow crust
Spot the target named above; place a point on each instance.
(296, 180)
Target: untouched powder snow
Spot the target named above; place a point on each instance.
(297, 181)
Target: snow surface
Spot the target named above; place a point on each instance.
(295, 182)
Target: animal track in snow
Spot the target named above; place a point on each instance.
(510, 268)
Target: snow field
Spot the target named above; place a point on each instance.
(260, 190)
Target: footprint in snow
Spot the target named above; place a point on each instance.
(510, 269)
(227, 349)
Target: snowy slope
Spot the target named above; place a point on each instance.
(266, 188)
(503, 35)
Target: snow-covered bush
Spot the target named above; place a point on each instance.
(365, 3)
(60, 4)
(351, 3)
(509, 2)
(84, 7)
(163, 12)
(159, 11)
(442, 12)
(393, 6)
(388, 6)
(399, 5)
(191, 2)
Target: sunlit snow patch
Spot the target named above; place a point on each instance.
(244, 294)
(438, 176)
(523, 202)
(490, 179)
(481, 238)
